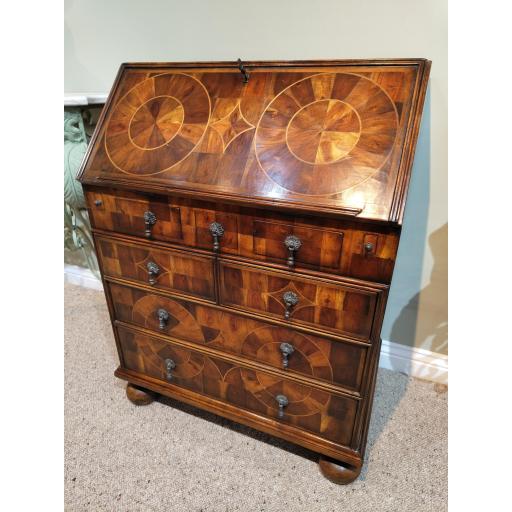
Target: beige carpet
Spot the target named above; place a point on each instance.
(172, 457)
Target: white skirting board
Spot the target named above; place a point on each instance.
(81, 276)
(413, 361)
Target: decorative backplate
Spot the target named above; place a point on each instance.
(334, 136)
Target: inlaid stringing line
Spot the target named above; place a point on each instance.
(329, 194)
(186, 156)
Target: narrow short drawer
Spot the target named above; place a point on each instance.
(164, 269)
(141, 215)
(343, 309)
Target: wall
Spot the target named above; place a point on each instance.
(100, 34)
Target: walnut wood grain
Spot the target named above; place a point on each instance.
(185, 273)
(124, 213)
(317, 136)
(337, 472)
(337, 362)
(334, 307)
(260, 422)
(328, 246)
(310, 409)
(138, 395)
(247, 229)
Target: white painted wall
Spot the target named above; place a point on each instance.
(100, 34)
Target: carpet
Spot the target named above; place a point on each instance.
(169, 456)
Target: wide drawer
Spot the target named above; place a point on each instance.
(335, 362)
(360, 250)
(164, 269)
(329, 415)
(338, 308)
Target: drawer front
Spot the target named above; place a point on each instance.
(323, 413)
(336, 362)
(135, 214)
(163, 269)
(326, 245)
(342, 249)
(332, 307)
(321, 248)
(329, 246)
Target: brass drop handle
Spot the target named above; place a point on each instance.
(282, 402)
(293, 244)
(291, 299)
(217, 231)
(169, 367)
(153, 270)
(163, 318)
(149, 222)
(287, 350)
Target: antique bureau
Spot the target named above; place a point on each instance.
(246, 218)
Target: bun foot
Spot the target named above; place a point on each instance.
(139, 396)
(337, 471)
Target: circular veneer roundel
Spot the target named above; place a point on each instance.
(157, 124)
(302, 400)
(264, 344)
(323, 132)
(326, 133)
